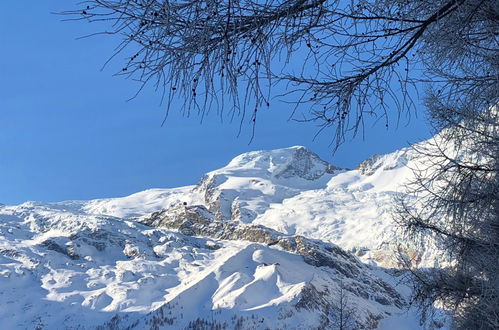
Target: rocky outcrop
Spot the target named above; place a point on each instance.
(386, 162)
(214, 198)
(303, 164)
(370, 165)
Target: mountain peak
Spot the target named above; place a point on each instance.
(252, 181)
(284, 163)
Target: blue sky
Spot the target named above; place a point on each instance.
(67, 131)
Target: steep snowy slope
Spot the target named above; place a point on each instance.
(247, 186)
(269, 241)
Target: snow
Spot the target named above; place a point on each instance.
(83, 262)
(141, 203)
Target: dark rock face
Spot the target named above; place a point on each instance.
(386, 162)
(68, 251)
(214, 197)
(99, 239)
(198, 221)
(306, 165)
(311, 299)
(367, 167)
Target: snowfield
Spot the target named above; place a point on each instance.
(274, 240)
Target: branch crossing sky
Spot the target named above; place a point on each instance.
(68, 132)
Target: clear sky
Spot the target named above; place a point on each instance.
(67, 131)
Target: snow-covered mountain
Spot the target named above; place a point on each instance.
(274, 240)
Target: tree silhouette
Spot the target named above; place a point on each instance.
(342, 62)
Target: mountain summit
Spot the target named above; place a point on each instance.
(297, 161)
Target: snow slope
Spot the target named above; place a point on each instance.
(272, 240)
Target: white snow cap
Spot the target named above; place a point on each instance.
(295, 161)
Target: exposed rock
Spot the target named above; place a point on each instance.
(214, 198)
(385, 162)
(312, 299)
(68, 251)
(368, 166)
(304, 164)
